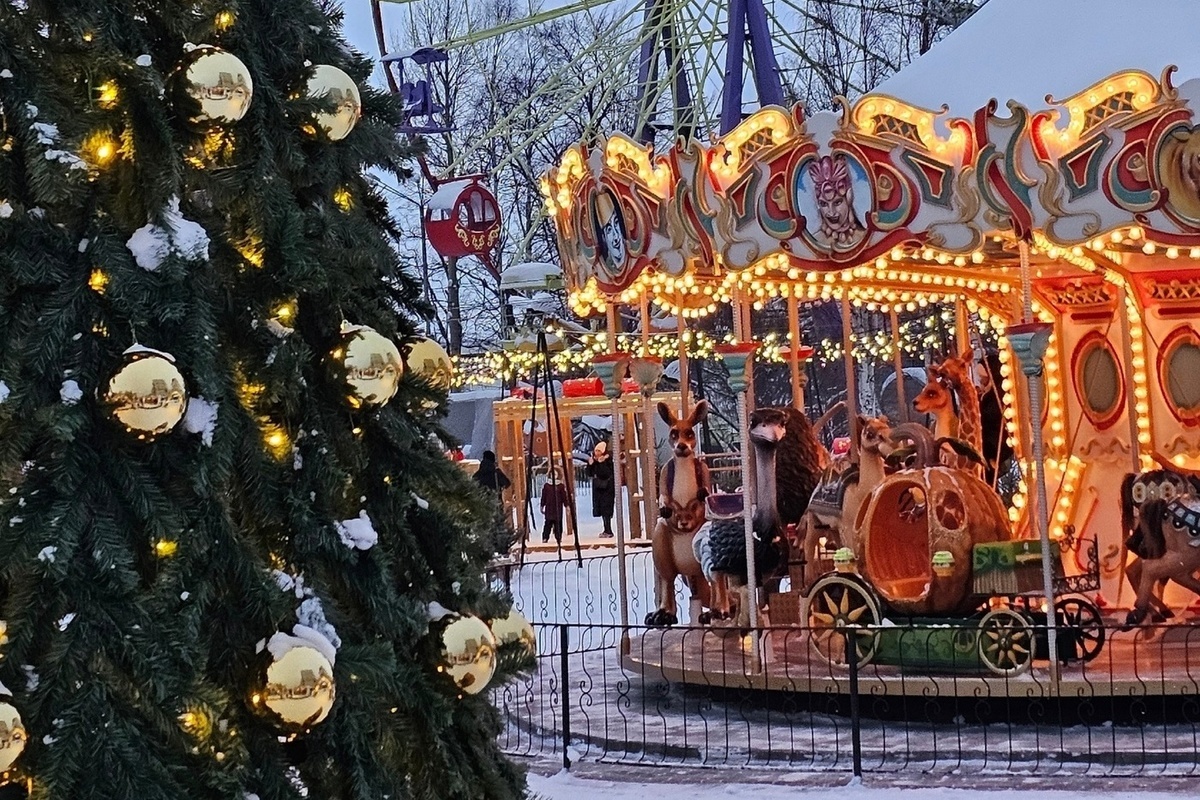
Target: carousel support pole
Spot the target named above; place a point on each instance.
(962, 328)
(649, 456)
(738, 358)
(851, 373)
(684, 379)
(1135, 451)
(611, 370)
(1029, 341)
(794, 350)
(742, 334)
(898, 364)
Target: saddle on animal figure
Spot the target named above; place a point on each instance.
(721, 549)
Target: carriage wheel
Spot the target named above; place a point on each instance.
(1005, 642)
(835, 603)
(1082, 619)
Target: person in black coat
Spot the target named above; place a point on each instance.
(604, 491)
(996, 449)
(489, 475)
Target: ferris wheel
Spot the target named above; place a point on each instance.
(661, 69)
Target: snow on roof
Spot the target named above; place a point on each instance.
(447, 192)
(530, 275)
(1024, 50)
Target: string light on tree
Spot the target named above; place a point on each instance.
(334, 86)
(147, 395)
(367, 364)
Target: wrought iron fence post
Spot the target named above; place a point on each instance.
(564, 642)
(855, 721)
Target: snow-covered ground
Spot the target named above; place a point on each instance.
(564, 786)
(618, 716)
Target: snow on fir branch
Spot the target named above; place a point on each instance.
(143, 60)
(3, 391)
(47, 554)
(201, 418)
(438, 611)
(310, 615)
(357, 533)
(5, 209)
(47, 136)
(280, 644)
(151, 244)
(4, 692)
(70, 393)
(32, 679)
(6, 73)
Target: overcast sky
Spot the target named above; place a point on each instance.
(361, 31)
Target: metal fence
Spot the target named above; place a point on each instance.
(690, 696)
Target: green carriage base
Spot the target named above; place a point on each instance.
(1003, 637)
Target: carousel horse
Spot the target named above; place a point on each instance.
(1167, 546)
(683, 484)
(1137, 490)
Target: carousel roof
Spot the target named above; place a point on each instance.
(1024, 50)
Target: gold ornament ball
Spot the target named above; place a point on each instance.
(300, 690)
(428, 360)
(468, 653)
(12, 736)
(515, 628)
(331, 84)
(368, 364)
(147, 395)
(220, 83)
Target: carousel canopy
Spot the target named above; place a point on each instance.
(1025, 49)
(921, 191)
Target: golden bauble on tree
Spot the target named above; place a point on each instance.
(367, 364)
(147, 395)
(299, 690)
(428, 360)
(219, 82)
(12, 734)
(515, 629)
(337, 88)
(468, 653)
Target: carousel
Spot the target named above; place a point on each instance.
(1068, 223)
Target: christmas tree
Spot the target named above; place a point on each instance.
(234, 561)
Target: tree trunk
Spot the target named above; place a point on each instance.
(453, 307)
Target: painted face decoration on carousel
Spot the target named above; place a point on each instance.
(610, 232)
(838, 224)
(1179, 172)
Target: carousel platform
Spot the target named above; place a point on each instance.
(1141, 663)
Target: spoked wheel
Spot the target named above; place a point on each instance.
(1005, 642)
(1082, 628)
(834, 604)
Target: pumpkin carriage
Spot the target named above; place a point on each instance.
(936, 551)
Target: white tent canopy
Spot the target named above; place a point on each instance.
(1024, 50)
